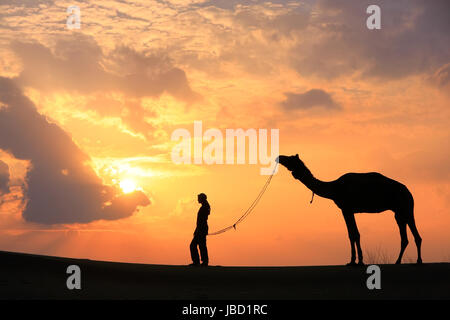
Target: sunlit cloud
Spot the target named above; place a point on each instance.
(61, 186)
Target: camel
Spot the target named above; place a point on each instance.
(362, 192)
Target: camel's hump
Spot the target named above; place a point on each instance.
(369, 178)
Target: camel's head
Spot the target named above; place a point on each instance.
(292, 163)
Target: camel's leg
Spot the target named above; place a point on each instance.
(417, 238)
(357, 239)
(354, 237)
(350, 237)
(403, 235)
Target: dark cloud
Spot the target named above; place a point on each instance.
(4, 178)
(29, 3)
(441, 77)
(314, 98)
(61, 186)
(281, 25)
(126, 16)
(232, 4)
(414, 39)
(329, 38)
(78, 64)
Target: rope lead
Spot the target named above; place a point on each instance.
(250, 209)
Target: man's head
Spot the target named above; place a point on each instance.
(201, 198)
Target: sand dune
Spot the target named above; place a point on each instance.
(25, 276)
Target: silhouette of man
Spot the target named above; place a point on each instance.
(200, 233)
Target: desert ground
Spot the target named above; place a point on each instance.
(27, 276)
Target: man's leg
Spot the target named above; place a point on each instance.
(194, 252)
(203, 249)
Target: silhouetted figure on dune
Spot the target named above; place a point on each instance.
(362, 192)
(200, 233)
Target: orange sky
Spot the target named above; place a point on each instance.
(82, 111)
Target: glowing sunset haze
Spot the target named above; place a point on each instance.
(87, 115)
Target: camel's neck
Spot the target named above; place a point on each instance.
(321, 188)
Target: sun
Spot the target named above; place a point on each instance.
(128, 186)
